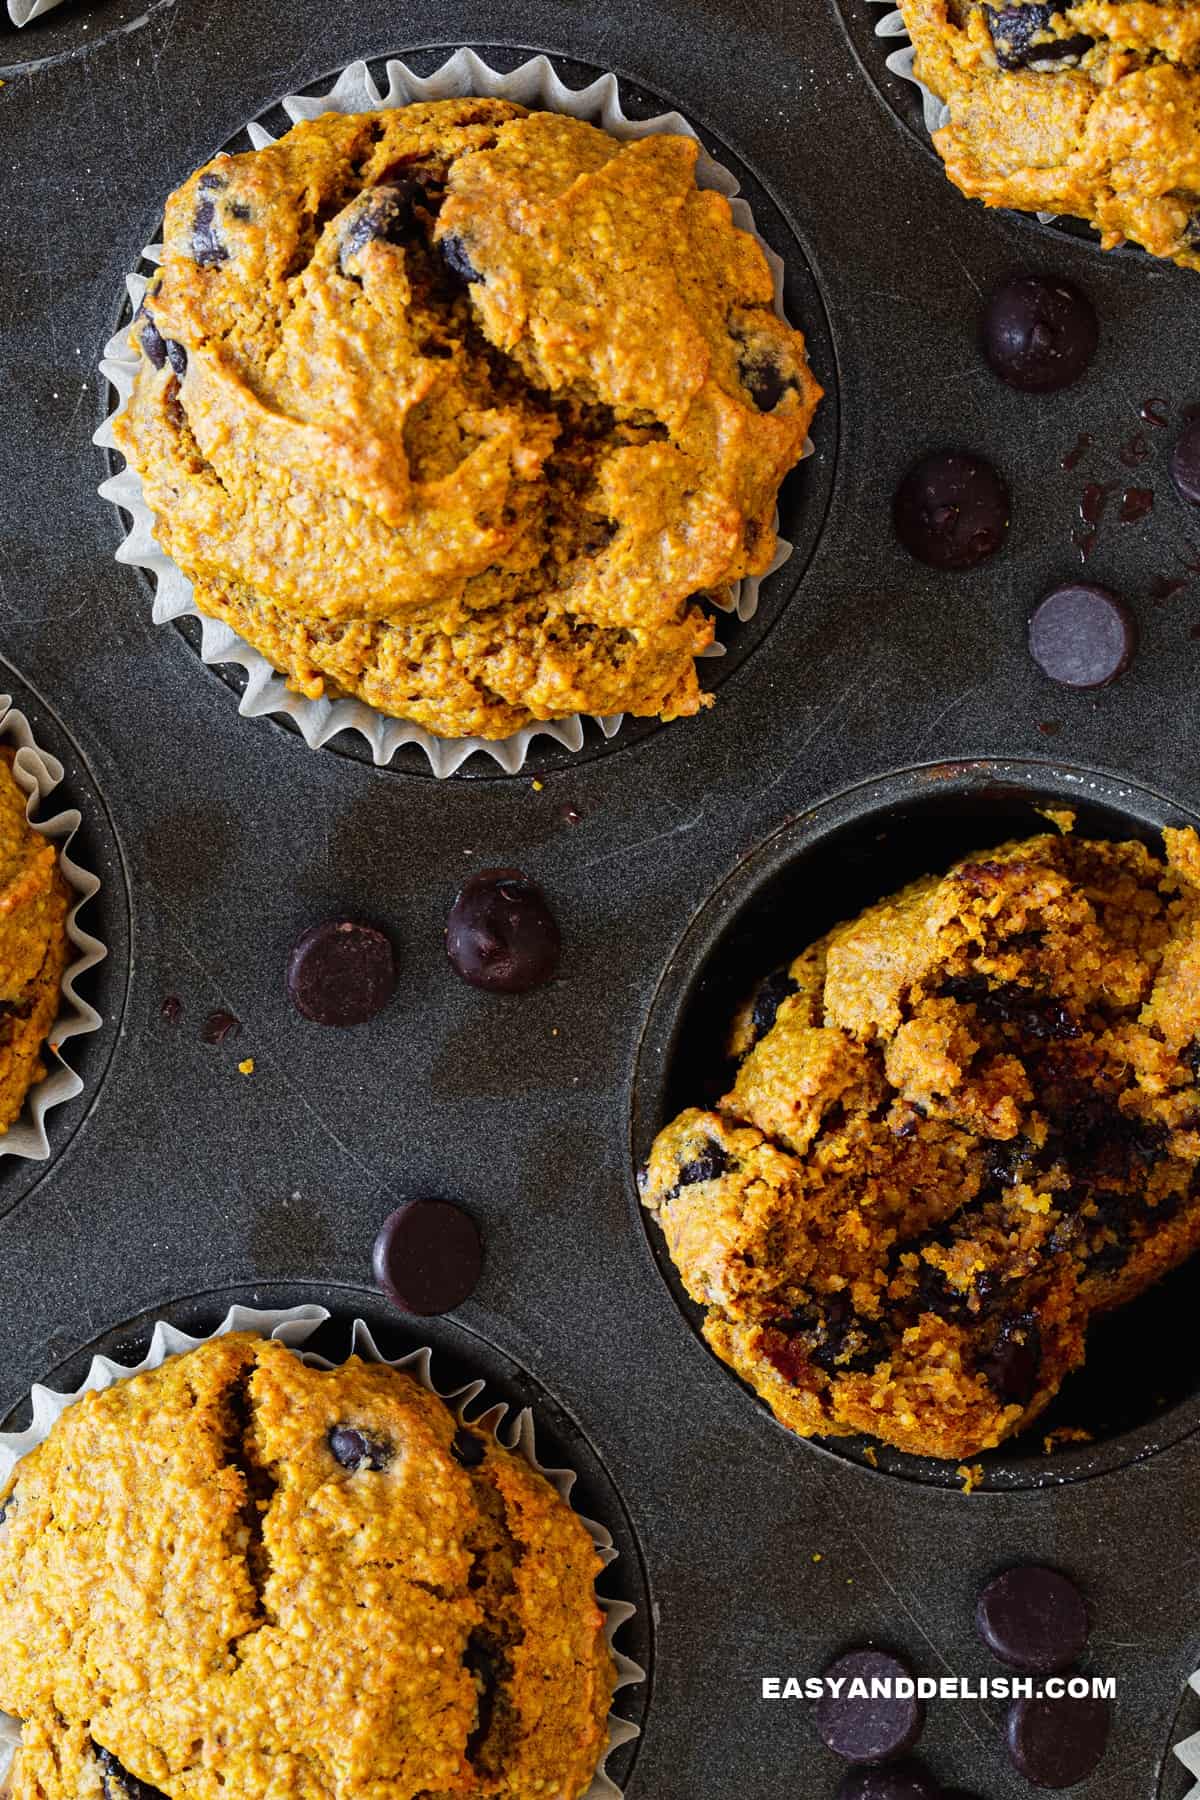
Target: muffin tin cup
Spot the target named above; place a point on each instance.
(38, 774)
(294, 1326)
(825, 866)
(534, 84)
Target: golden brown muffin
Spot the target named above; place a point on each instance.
(236, 1575)
(464, 410)
(961, 1124)
(33, 945)
(1086, 107)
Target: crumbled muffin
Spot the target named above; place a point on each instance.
(464, 411)
(33, 945)
(238, 1575)
(960, 1125)
(1083, 107)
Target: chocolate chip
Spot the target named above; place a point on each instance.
(177, 357)
(240, 211)
(154, 345)
(218, 1026)
(1082, 636)
(1033, 1619)
(771, 995)
(341, 973)
(355, 1450)
(1016, 31)
(386, 213)
(951, 511)
(428, 1256)
(207, 248)
(1057, 1743)
(119, 1784)
(711, 1163)
(1039, 335)
(1013, 1364)
(501, 934)
(868, 1729)
(895, 1781)
(467, 1448)
(1185, 463)
(456, 259)
(210, 181)
(764, 378)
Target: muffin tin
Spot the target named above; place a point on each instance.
(182, 1176)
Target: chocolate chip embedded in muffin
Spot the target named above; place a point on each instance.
(1024, 36)
(355, 1450)
(119, 1784)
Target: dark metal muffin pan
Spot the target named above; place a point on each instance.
(183, 1176)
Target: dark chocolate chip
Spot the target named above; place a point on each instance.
(1082, 636)
(218, 1026)
(711, 1163)
(240, 211)
(154, 344)
(177, 357)
(894, 1781)
(1039, 335)
(1021, 37)
(207, 248)
(951, 511)
(764, 378)
(428, 1256)
(501, 934)
(1057, 1743)
(864, 1727)
(1033, 1619)
(355, 1450)
(467, 1448)
(386, 213)
(341, 973)
(210, 181)
(119, 1784)
(1004, 1162)
(771, 995)
(456, 259)
(1013, 1364)
(1185, 463)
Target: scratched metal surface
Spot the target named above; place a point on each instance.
(224, 837)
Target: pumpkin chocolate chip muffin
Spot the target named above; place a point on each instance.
(465, 410)
(238, 1575)
(33, 945)
(1085, 107)
(960, 1125)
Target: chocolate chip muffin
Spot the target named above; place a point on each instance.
(466, 411)
(238, 1575)
(959, 1126)
(33, 945)
(1084, 107)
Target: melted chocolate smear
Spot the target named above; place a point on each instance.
(119, 1784)
(1136, 504)
(1073, 457)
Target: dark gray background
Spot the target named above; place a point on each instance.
(180, 1174)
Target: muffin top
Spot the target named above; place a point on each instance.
(33, 944)
(1086, 107)
(463, 409)
(238, 1575)
(960, 1125)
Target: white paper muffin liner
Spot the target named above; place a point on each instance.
(293, 1326)
(900, 62)
(1188, 1751)
(37, 774)
(21, 11)
(534, 84)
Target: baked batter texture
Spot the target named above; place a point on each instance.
(33, 945)
(236, 1575)
(1090, 109)
(959, 1126)
(465, 411)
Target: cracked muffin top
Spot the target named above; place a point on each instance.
(1083, 107)
(238, 1575)
(958, 1127)
(465, 411)
(33, 945)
